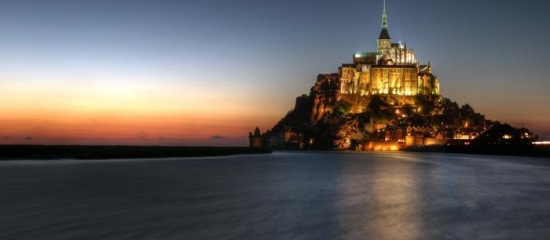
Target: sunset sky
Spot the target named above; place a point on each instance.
(207, 72)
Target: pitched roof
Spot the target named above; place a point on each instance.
(384, 34)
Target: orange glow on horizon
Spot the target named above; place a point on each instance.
(124, 130)
(46, 114)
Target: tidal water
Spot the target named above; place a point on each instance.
(285, 195)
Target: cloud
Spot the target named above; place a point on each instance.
(217, 137)
(142, 135)
(28, 138)
(170, 140)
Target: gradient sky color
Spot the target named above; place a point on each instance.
(207, 72)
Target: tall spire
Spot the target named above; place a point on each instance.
(384, 17)
(384, 33)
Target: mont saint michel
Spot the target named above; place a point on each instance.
(130, 120)
(385, 99)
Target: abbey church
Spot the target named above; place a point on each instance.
(392, 70)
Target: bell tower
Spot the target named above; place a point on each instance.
(384, 41)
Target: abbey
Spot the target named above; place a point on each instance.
(384, 100)
(392, 70)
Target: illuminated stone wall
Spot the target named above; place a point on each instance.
(392, 70)
(400, 80)
(396, 80)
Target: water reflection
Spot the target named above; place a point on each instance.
(396, 202)
(385, 202)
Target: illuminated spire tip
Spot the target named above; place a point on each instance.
(384, 17)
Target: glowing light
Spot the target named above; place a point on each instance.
(506, 136)
(383, 146)
(462, 137)
(542, 143)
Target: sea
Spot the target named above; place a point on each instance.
(283, 195)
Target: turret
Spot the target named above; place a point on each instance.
(255, 140)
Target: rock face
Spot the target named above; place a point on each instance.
(325, 95)
(326, 119)
(330, 119)
(348, 135)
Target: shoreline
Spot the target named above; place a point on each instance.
(102, 152)
(106, 152)
(521, 150)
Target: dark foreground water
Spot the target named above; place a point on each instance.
(279, 196)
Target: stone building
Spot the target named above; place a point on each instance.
(255, 139)
(392, 70)
(286, 138)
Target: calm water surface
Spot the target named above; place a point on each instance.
(285, 195)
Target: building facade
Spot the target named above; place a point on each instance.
(392, 70)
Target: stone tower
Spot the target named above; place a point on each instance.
(255, 140)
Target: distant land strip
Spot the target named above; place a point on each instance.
(47, 152)
(526, 150)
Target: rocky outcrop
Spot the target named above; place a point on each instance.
(348, 134)
(325, 95)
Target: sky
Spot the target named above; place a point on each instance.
(166, 72)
